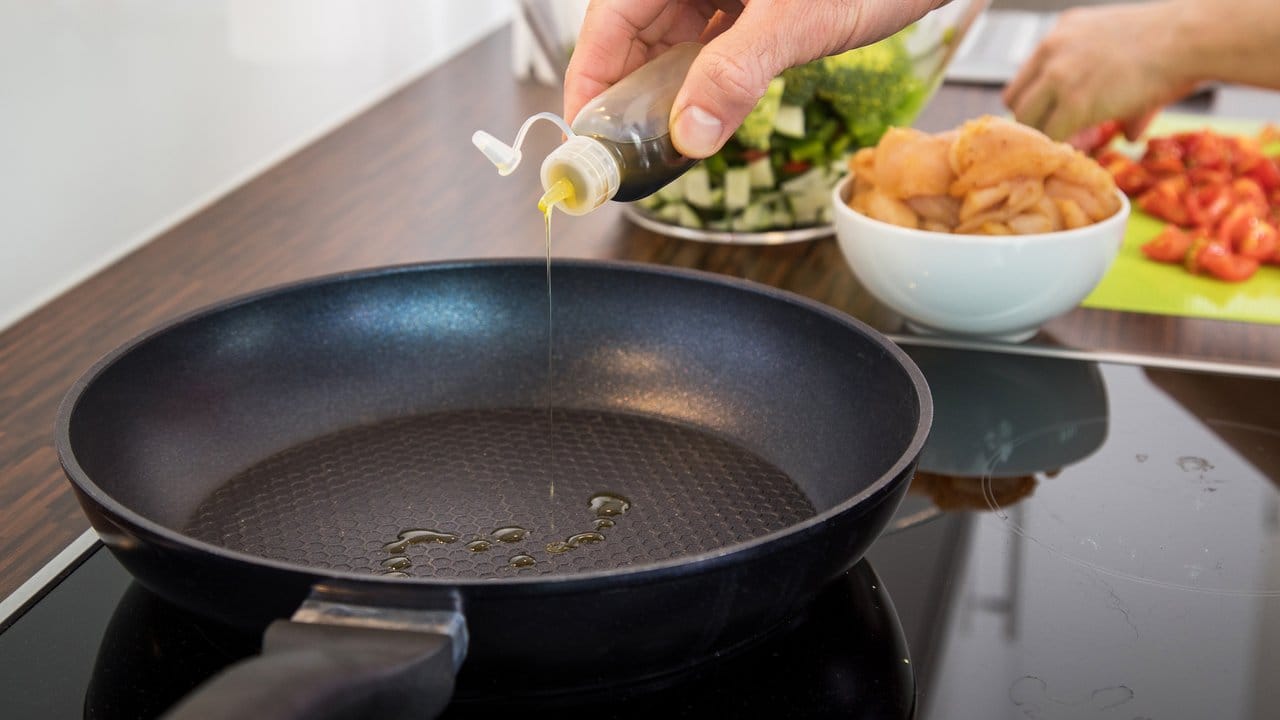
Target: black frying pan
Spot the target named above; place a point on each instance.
(734, 448)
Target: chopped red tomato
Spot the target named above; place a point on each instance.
(1170, 246)
(1247, 190)
(1131, 177)
(1092, 139)
(1220, 194)
(1206, 205)
(796, 167)
(1192, 259)
(1164, 150)
(1267, 174)
(1235, 224)
(1209, 150)
(1257, 242)
(1164, 200)
(1209, 176)
(1220, 262)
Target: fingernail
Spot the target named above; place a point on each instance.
(697, 132)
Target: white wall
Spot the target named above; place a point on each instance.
(119, 118)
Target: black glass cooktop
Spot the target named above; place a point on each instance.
(1082, 541)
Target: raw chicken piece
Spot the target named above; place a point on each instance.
(989, 150)
(992, 176)
(1030, 224)
(1072, 216)
(890, 209)
(937, 210)
(984, 201)
(911, 163)
(1094, 205)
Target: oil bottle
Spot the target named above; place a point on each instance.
(618, 147)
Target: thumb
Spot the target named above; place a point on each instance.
(724, 83)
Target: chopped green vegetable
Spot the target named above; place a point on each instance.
(737, 188)
(789, 121)
(680, 214)
(672, 191)
(869, 87)
(801, 83)
(761, 173)
(697, 187)
(804, 183)
(807, 201)
(653, 202)
(754, 219)
(758, 126)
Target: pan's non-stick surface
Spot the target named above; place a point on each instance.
(563, 491)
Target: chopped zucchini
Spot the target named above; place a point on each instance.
(652, 202)
(717, 199)
(680, 214)
(761, 172)
(754, 219)
(802, 183)
(789, 121)
(697, 187)
(673, 191)
(807, 206)
(737, 188)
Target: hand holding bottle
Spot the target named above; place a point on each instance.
(747, 45)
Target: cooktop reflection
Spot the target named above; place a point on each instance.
(1081, 541)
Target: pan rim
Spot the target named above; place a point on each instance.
(641, 573)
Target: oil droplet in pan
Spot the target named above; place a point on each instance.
(398, 562)
(604, 523)
(479, 545)
(397, 574)
(511, 534)
(586, 538)
(609, 505)
(557, 547)
(522, 561)
(415, 537)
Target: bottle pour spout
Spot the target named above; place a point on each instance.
(507, 157)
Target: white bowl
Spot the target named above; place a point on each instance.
(987, 286)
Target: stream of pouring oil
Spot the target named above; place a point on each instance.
(561, 191)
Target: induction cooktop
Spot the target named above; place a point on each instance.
(1082, 540)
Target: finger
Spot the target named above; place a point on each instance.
(1135, 126)
(608, 48)
(1025, 78)
(1064, 120)
(724, 83)
(1035, 104)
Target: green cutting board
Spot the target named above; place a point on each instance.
(1136, 284)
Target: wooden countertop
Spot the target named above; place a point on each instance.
(401, 183)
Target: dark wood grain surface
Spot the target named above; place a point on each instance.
(401, 183)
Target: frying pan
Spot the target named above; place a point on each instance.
(733, 447)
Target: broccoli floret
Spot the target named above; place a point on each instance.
(802, 83)
(870, 88)
(758, 126)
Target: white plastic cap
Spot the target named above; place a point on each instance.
(505, 157)
(590, 168)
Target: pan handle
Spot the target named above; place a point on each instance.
(334, 661)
